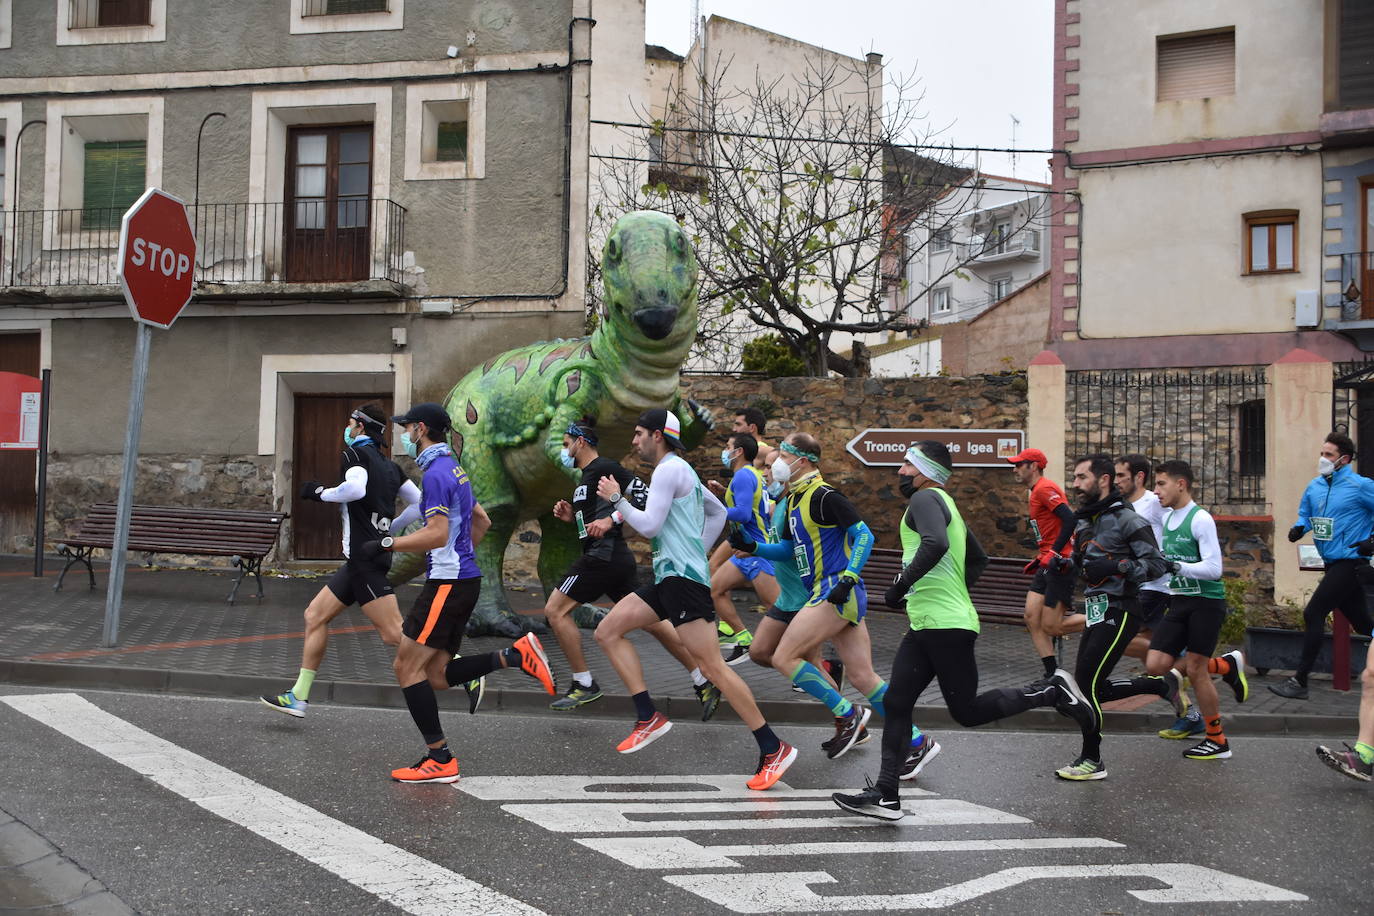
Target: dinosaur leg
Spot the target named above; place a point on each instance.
(493, 616)
(558, 548)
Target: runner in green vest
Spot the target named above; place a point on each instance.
(941, 558)
(1197, 606)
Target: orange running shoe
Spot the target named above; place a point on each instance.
(645, 733)
(772, 766)
(533, 660)
(428, 770)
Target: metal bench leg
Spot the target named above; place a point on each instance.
(246, 566)
(79, 555)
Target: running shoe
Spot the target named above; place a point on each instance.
(428, 770)
(1189, 726)
(1347, 762)
(918, 757)
(645, 733)
(1236, 676)
(862, 739)
(1173, 692)
(709, 696)
(772, 766)
(1209, 750)
(835, 668)
(533, 661)
(870, 803)
(1082, 769)
(1290, 688)
(735, 654)
(1072, 703)
(847, 730)
(476, 690)
(287, 703)
(576, 696)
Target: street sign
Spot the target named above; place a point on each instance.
(969, 448)
(157, 258)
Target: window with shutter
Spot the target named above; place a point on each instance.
(1357, 54)
(114, 178)
(1195, 66)
(342, 7)
(1271, 242)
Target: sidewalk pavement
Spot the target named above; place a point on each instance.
(177, 634)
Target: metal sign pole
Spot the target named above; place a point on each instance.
(40, 523)
(115, 594)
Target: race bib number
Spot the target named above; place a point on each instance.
(803, 564)
(1096, 609)
(1182, 585)
(1322, 529)
(1035, 529)
(581, 525)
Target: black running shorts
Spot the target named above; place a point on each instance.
(776, 613)
(679, 600)
(589, 578)
(1057, 589)
(361, 583)
(441, 612)
(1153, 604)
(1191, 623)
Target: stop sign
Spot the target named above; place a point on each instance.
(157, 258)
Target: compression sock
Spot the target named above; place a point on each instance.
(1365, 751)
(809, 678)
(1219, 666)
(644, 706)
(875, 699)
(441, 754)
(699, 679)
(1214, 733)
(303, 682)
(768, 742)
(471, 667)
(583, 678)
(916, 736)
(424, 709)
(1050, 663)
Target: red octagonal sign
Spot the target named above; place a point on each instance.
(157, 258)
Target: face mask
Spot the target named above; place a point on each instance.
(349, 438)
(725, 456)
(907, 486)
(775, 490)
(410, 445)
(565, 459)
(1325, 466)
(782, 471)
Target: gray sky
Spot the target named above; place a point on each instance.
(978, 61)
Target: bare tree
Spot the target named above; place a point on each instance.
(801, 194)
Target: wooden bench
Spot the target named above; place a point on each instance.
(246, 535)
(999, 595)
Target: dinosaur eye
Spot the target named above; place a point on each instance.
(612, 250)
(675, 240)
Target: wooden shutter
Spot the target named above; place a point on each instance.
(114, 179)
(338, 7)
(1196, 66)
(1357, 54)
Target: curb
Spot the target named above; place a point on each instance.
(530, 702)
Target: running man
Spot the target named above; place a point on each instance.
(1050, 595)
(1358, 762)
(433, 630)
(747, 508)
(1197, 606)
(752, 421)
(367, 501)
(828, 543)
(606, 567)
(681, 516)
(1136, 483)
(1116, 553)
(1338, 508)
(940, 560)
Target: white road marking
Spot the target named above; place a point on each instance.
(586, 817)
(638, 788)
(675, 853)
(395, 876)
(783, 892)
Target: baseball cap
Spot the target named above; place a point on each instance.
(665, 421)
(432, 415)
(1030, 454)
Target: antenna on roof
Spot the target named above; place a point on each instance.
(1014, 122)
(696, 20)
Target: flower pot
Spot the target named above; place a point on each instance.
(1271, 647)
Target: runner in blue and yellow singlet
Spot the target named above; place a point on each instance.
(747, 508)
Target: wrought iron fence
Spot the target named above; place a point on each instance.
(341, 241)
(1214, 419)
(1357, 285)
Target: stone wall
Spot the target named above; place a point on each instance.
(1247, 556)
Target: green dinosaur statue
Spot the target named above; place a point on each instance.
(512, 411)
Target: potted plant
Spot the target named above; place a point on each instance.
(1276, 639)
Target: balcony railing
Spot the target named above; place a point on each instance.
(331, 242)
(1023, 244)
(98, 14)
(343, 7)
(1357, 286)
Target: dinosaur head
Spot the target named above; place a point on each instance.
(650, 275)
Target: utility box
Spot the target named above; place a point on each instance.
(1307, 308)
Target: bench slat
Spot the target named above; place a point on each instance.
(175, 529)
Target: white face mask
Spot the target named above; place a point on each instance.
(782, 471)
(726, 457)
(1325, 466)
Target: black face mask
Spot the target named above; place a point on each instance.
(907, 486)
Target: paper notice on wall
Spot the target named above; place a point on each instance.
(30, 408)
(21, 408)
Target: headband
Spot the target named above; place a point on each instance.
(928, 467)
(791, 449)
(577, 432)
(366, 420)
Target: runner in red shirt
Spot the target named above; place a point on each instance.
(1051, 590)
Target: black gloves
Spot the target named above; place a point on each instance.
(1062, 566)
(372, 550)
(1364, 548)
(1100, 569)
(1175, 567)
(1296, 532)
(840, 593)
(895, 596)
(312, 489)
(740, 541)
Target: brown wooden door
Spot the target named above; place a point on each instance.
(316, 528)
(1366, 278)
(18, 467)
(328, 203)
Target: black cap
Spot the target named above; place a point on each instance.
(665, 422)
(432, 415)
